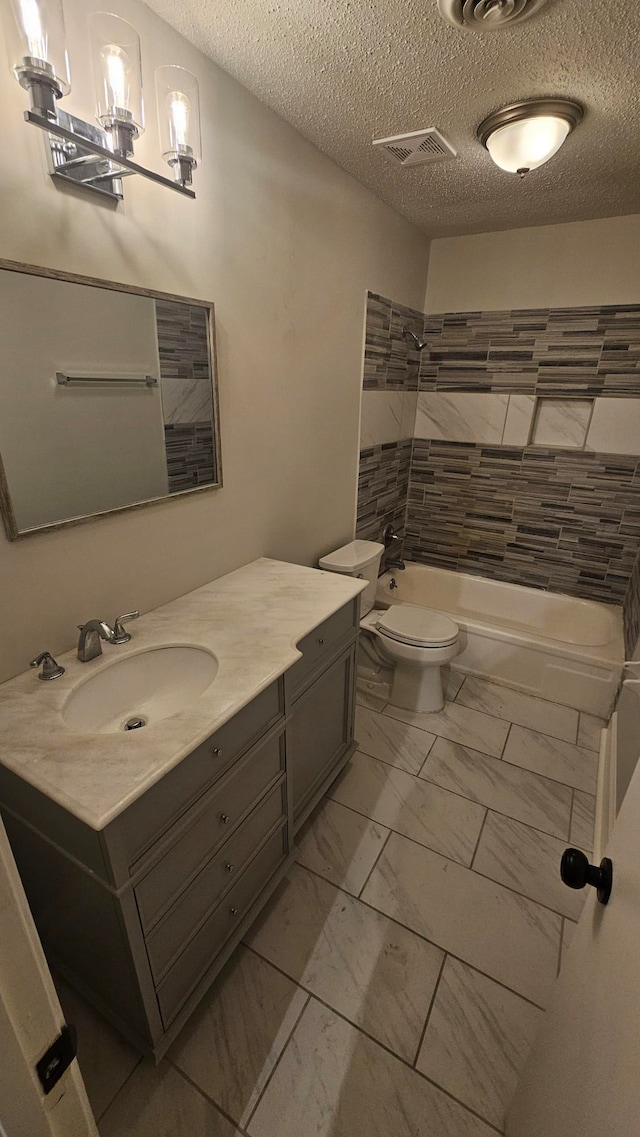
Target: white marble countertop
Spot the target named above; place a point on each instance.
(250, 619)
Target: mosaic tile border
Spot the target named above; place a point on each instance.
(557, 520)
(390, 360)
(383, 485)
(543, 351)
(190, 459)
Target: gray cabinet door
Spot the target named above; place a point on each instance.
(320, 732)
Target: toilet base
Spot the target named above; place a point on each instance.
(417, 688)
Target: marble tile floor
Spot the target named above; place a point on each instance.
(396, 981)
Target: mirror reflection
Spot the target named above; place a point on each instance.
(107, 399)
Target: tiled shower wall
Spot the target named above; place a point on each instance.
(525, 459)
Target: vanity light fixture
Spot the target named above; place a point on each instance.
(523, 136)
(98, 157)
(179, 119)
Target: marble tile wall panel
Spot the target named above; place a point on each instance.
(391, 360)
(186, 400)
(590, 351)
(615, 426)
(553, 519)
(381, 418)
(383, 482)
(461, 417)
(563, 422)
(517, 427)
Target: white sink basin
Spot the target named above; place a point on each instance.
(148, 686)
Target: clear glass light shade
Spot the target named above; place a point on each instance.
(117, 71)
(36, 41)
(178, 114)
(528, 143)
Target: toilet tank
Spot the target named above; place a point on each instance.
(360, 559)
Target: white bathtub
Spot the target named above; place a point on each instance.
(550, 645)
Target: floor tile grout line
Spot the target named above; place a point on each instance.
(472, 801)
(512, 722)
(430, 1008)
(416, 842)
(420, 935)
(382, 849)
(522, 895)
(100, 1116)
(453, 860)
(279, 1058)
(500, 757)
(573, 802)
(393, 766)
(375, 1041)
(493, 808)
(497, 758)
(504, 748)
(516, 691)
(468, 1108)
(475, 851)
(560, 944)
(203, 1093)
(556, 781)
(526, 824)
(475, 710)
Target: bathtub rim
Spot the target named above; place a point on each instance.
(610, 654)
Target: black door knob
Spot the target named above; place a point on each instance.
(576, 871)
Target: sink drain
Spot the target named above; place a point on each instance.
(135, 723)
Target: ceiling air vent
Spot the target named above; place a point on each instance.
(416, 148)
(487, 15)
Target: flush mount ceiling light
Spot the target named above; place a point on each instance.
(487, 15)
(99, 157)
(523, 136)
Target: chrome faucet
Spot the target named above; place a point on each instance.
(392, 543)
(89, 646)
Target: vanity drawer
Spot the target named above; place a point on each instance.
(160, 806)
(321, 644)
(200, 954)
(233, 797)
(177, 928)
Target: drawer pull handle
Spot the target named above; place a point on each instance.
(217, 752)
(321, 641)
(233, 911)
(224, 818)
(229, 867)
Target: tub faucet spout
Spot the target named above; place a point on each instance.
(395, 563)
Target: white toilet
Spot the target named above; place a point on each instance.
(416, 640)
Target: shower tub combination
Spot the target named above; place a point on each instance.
(547, 644)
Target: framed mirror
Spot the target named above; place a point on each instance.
(108, 398)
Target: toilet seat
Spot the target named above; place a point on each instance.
(416, 626)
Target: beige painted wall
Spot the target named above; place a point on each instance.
(586, 262)
(285, 244)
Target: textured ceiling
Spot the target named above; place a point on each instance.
(346, 71)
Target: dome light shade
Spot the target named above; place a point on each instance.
(524, 136)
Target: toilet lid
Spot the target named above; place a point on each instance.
(421, 627)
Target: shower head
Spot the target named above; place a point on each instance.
(420, 344)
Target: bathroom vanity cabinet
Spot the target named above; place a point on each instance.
(142, 915)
